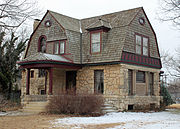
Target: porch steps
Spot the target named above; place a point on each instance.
(35, 107)
(108, 108)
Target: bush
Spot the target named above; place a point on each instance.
(82, 104)
(8, 105)
(167, 100)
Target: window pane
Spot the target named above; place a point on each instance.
(138, 39)
(95, 37)
(41, 73)
(138, 49)
(145, 41)
(95, 42)
(56, 48)
(151, 82)
(43, 44)
(62, 45)
(96, 47)
(130, 82)
(99, 81)
(140, 77)
(145, 51)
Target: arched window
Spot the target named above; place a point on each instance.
(42, 44)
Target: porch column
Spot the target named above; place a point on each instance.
(50, 81)
(27, 81)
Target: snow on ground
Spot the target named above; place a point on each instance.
(127, 120)
(3, 113)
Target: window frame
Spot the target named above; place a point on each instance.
(39, 43)
(59, 47)
(130, 82)
(95, 32)
(100, 88)
(151, 84)
(142, 46)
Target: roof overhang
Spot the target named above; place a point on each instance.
(48, 64)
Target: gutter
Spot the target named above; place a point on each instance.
(80, 42)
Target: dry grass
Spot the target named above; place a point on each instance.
(174, 106)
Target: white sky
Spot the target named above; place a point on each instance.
(168, 38)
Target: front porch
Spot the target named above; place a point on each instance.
(44, 75)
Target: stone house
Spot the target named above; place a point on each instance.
(115, 55)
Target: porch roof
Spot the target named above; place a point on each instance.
(45, 56)
(38, 60)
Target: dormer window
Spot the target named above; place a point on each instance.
(42, 44)
(95, 42)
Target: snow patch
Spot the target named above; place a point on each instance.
(165, 120)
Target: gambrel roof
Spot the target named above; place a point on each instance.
(68, 23)
(117, 19)
(119, 29)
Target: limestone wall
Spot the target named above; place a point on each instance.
(116, 85)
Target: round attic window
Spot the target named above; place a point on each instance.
(141, 21)
(48, 23)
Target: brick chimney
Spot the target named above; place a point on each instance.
(36, 23)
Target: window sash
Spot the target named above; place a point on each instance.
(130, 82)
(138, 40)
(145, 51)
(140, 77)
(151, 84)
(99, 81)
(62, 47)
(96, 47)
(56, 48)
(95, 42)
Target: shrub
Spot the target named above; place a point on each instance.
(82, 104)
(167, 100)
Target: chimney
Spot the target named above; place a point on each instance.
(36, 23)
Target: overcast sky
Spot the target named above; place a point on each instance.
(168, 37)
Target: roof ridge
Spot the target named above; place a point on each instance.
(112, 13)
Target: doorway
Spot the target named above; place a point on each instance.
(71, 81)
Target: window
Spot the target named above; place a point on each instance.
(62, 47)
(95, 42)
(32, 74)
(142, 45)
(41, 73)
(99, 81)
(42, 44)
(140, 77)
(56, 48)
(151, 85)
(59, 47)
(130, 82)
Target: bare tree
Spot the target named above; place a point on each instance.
(170, 11)
(172, 63)
(13, 13)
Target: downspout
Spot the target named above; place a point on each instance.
(80, 43)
